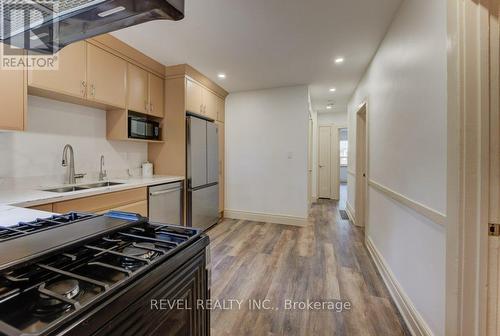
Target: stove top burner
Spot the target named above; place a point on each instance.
(47, 306)
(137, 251)
(145, 251)
(67, 287)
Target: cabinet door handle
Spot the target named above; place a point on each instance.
(151, 107)
(92, 90)
(201, 108)
(162, 192)
(84, 88)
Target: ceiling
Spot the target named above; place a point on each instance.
(262, 44)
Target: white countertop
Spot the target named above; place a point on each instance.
(23, 197)
(10, 216)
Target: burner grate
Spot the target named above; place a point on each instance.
(40, 224)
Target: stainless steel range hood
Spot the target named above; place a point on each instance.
(49, 25)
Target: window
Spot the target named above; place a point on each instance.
(344, 147)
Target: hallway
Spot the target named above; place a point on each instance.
(325, 261)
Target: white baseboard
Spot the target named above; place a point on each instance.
(267, 218)
(413, 319)
(350, 212)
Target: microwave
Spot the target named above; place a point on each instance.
(143, 128)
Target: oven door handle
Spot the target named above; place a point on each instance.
(168, 191)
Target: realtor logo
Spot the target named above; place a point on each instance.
(27, 25)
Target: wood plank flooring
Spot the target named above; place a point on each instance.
(324, 262)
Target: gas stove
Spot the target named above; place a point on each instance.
(45, 289)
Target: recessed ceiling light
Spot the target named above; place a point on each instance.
(333, 89)
(221, 75)
(329, 107)
(339, 60)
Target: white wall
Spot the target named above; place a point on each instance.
(52, 124)
(266, 151)
(336, 118)
(405, 87)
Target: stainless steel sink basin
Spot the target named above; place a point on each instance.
(100, 184)
(82, 187)
(65, 189)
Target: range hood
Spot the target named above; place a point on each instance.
(47, 26)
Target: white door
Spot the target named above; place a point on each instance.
(325, 162)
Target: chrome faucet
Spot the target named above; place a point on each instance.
(71, 171)
(102, 171)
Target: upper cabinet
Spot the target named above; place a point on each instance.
(194, 93)
(13, 107)
(71, 76)
(156, 96)
(221, 106)
(107, 77)
(138, 92)
(201, 100)
(145, 92)
(209, 104)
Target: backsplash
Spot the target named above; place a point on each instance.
(34, 156)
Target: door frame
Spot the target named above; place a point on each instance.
(361, 183)
(310, 161)
(468, 167)
(334, 161)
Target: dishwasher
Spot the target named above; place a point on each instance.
(166, 203)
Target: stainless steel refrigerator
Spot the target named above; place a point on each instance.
(202, 172)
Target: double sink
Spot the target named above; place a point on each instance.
(82, 187)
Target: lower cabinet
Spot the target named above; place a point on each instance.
(133, 200)
(43, 207)
(140, 208)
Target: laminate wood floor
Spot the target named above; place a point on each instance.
(325, 262)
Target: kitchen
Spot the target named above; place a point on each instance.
(114, 178)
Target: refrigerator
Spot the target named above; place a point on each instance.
(202, 172)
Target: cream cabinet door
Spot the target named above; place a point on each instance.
(71, 75)
(156, 96)
(209, 104)
(221, 106)
(137, 89)
(140, 208)
(194, 100)
(12, 107)
(107, 77)
(221, 165)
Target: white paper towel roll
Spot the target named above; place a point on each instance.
(147, 169)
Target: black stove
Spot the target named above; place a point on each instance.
(40, 224)
(45, 289)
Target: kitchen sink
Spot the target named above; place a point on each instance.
(100, 185)
(65, 189)
(82, 187)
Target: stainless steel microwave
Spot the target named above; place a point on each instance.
(143, 128)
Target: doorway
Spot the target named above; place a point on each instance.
(328, 158)
(361, 167)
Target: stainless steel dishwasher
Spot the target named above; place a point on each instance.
(165, 203)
